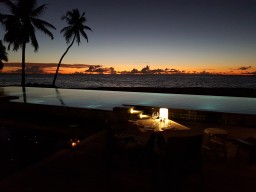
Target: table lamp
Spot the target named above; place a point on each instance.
(163, 114)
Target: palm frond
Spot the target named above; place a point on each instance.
(68, 34)
(26, 7)
(3, 53)
(76, 26)
(84, 35)
(78, 38)
(19, 26)
(39, 11)
(11, 6)
(34, 40)
(42, 26)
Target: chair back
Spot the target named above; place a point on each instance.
(185, 153)
(183, 159)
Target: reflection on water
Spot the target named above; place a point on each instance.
(59, 96)
(24, 94)
(107, 100)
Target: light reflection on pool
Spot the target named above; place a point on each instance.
(107, 100)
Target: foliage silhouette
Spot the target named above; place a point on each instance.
(3, 55)
(74, 29)
(21, 25)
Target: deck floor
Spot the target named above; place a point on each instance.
(83, 170)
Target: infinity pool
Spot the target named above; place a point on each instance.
(107, 100)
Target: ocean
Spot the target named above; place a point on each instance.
(158, 81)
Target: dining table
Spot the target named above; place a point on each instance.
(156, 125)
(158, 130)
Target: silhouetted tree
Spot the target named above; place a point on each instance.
(74, 30)
(21, 25)
(145, 69)
(134, 71)
(112, 70)
(3, 55)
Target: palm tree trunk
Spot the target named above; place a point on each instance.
(23, 84)
(1, 65)
(57, 70)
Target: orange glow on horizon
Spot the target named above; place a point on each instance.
(46, 68)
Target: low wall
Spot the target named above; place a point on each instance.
(57, 119)
(214, 117)
(206, 116)
(63, 119)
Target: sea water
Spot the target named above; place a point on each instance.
(160, 81)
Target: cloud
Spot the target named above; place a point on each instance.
(244, 68)
(147, 70)
(134, 71)
(41, 68)
(46, 65)
(250, 73)
(78, 66)
(98, 69)
(34, 70)
(94, 68)
(37, 68)
(174, 70)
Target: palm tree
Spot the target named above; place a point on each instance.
(3, 55)
(22, 24)
(75, 27)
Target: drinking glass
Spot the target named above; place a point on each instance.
(155, 115)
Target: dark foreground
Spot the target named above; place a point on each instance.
(83, 170)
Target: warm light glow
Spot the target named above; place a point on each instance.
(163, 114)
(74, 142)
(142, 116)
(133, 111)
(229, 68)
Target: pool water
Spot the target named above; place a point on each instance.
(107, 100)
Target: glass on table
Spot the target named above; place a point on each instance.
(155, 115)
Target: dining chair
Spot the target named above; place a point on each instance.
(120, 146)
(216, 142)
(247, 145)
(183, 158)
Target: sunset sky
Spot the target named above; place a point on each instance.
(215, 36)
